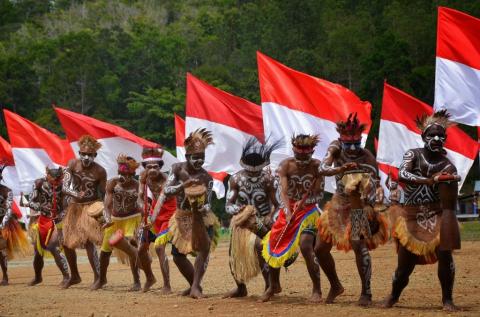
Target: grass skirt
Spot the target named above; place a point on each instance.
(334, 225)
(15, 239)
(79, 227)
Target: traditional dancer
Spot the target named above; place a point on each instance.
(348, 220)
(427, 228)
(47, 201)
(194, 225)
(152, 181)
(84, 181)
(301, 188)
(252, 202)
(122, 219)
(13, 239)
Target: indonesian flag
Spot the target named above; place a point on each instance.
(384, 170)
(232, 121)
(296, 103)
(34, 148)
(114, 139)
(457, 74)
(11, 180)
(218, 186)
(398, 132)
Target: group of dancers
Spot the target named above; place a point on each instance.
(274, 214)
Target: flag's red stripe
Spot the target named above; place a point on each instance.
(6, 156)
(26, 134)
(76, 125)
(209, 103)
(458, 37)
(179, 131)
(298, 91)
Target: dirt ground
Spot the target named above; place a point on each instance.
(421, 298)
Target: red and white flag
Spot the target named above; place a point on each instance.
(295, 103)
(398, 132)
(457, 73)
(231, 119)
(114, 139)
(34, 148)
(384, 171)
(11, 180)
(218, 178)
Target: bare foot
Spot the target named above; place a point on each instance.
(136, 286)
(196, 293)
(186, 292)
(35, 281)
(316, 297)
(98, 284)
(165, 290)
(278, 289)
(267, 295)
(450, 307)
(333, 293)
(389, 301)
(365, 300)
(64, 281)
(72, 281)
(148, 284)
(4, 282)
(236, 292)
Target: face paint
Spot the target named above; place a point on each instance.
(87, 158)
(351, 147)
(434, 138)
(302, 159)
(153, 168)
(196, 160)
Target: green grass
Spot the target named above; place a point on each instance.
(470, 230)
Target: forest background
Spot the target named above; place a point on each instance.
(125, 61)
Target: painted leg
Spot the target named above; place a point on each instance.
(3, 264)
(103, 263)
(446, 275)
(306, 247)
(93, 260)
(163, 259)
(325, 259)
(37, 268)
(364, 266)
(406, 265)
(71, 256)
(61, 263)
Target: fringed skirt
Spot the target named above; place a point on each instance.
(181, 230)
(14, 240)
(335, 225)
(417, 228)
(79, 227)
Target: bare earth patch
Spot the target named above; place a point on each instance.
(421, 298)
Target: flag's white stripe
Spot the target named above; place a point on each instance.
(218, 186)
(30, 164)
(112, 147)
(12, 181)
(282, 123)
(225, 154)
(395, 139)
(457, 89)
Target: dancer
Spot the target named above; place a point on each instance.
(152, 182)
(252, 202)
(47, 201)
(84, 181)
(13, 239)
(427, 228)
(122, 219)
(348, 220)
(301, 188)
(194, 225)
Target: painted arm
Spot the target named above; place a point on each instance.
(67, 187)
(405, 171)
(9, 214)
(108, 202)
(283, 188)
(326, 166)
(171, 188)
(231, 206)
